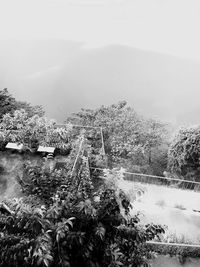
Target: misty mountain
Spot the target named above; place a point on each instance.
(64, 77)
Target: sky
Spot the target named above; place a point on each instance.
(165, 26)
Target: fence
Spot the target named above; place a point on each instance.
(159, 180)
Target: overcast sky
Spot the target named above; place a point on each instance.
(169, 26)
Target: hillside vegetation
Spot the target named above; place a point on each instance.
(70, 214)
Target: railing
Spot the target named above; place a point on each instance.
(173, 244)
(160, 180)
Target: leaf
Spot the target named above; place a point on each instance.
(100, 231)
(46, 262)
(119, 263)
(39, 261)
(49, 257)
(69, 221)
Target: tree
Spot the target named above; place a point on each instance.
(33, 131)
(8, 104)
(30, 110)
(129, 138)
(184, 154)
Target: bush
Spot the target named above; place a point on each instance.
(79, 227)
(184, 154)
(42, 181)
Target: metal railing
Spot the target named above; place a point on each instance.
(165, 181)
(173, 244)
(159, 180)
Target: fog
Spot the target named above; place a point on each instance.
(63, 76)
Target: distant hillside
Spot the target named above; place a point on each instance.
(63, 77)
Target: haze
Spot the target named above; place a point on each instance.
(71, 54)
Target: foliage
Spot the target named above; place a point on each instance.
(8, 104)
(184, 154)
(41, 181)
(79, 227)
(129, 138)
(22, 237)
(92, 143)
(66, 220)
(43, 177)
(32, 131)
(44, 180)
(30, 110)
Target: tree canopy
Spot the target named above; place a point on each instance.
(130, 139)
(184, 154)
(33, 131)
(8, 104)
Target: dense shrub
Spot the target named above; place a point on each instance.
(80, 228)
(184, 154)
(33, 131)
(42, 181)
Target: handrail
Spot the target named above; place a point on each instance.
(155, 176)
(172, 244)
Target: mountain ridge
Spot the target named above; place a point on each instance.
(64, 77)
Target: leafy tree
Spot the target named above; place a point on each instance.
(30, 110)
(129, 138)
(32, 131)
(184, 154)
(8, 104)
